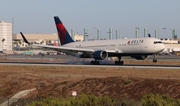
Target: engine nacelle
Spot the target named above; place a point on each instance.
(100, 55)
(140, 57)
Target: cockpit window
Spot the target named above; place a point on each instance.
(157, 42)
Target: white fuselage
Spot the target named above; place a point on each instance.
(123, 46)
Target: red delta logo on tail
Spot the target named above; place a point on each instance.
(63, 34)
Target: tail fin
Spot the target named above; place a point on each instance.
(63, 34)
(149, 35)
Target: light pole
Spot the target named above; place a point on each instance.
(137, 32)
(110, 33)
(164, 30)
(172, 30)
(95, 33)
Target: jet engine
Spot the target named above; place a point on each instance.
(100, 55)
(140, 57)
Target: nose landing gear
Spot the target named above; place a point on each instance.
(155, 59)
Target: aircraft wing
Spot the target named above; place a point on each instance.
(63, 48)
(71, 49)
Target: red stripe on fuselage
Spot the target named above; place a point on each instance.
(61, 32)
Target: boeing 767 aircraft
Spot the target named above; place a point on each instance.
(138, 48)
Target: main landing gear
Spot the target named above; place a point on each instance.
(95, 62)
(119, 62)
(155, 59)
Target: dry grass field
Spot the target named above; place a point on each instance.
(60, 81)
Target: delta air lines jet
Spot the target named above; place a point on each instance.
(138, 48)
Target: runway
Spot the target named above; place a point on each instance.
(22, 56)
(95, 66)
(86, 62)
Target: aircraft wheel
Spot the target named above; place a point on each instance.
(119, 62)
(96, 62)
(154, 60)
(116, 62)
(122, 62)
(92, 62)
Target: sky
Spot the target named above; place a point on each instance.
(36, 16)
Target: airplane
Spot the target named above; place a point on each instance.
(138, 48)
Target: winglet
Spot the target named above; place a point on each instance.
(25, 40)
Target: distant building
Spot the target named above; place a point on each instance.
(171, 46)
(170, 41)
(5, 36)
(35, 37)
(78, 37)
(44, 39)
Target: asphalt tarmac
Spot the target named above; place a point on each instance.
(22, 56)
(86, 62)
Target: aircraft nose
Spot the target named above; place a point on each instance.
(159, 48)
(162, 47)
